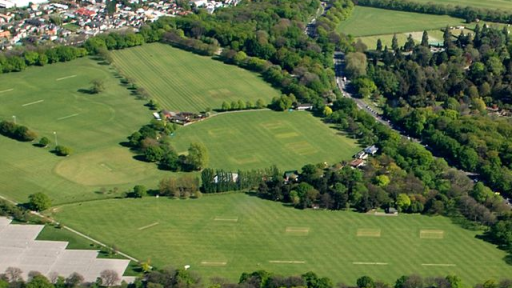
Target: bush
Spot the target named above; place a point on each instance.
(17, 132)
(44, 142)
(62, 150)
(39, 202)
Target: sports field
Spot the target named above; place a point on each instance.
(366, 21)
(225, 235)
(488, 4)
(182, 81)
(258, 139)
(47, 100)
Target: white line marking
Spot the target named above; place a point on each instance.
(208, 263)
(286, 262)
(369, 263)
(69, 116)
(67, 77)
(148, 226)
(31, 103)
(6, 90)
(441, 265)
(226, 219)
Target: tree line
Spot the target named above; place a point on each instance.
(470, 14)
(169, 277)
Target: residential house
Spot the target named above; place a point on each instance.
(303, 107)
(357, 163)
(371, 150)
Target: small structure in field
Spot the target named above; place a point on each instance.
(303, 107)
(291, 176)
(183, 118)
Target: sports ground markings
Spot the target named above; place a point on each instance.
(32, 103)
(432, 234)
(148, 226)
(7, 90)
(439, 265)
(106, 167)
(226, 219)
(300, 231)
(286, 262)
(366, 232)
(213, 263)
(369, 263)
(67, 77)
(69, 116)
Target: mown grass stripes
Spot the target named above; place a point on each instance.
(187, 234)
(182, 81)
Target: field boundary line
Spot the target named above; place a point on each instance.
(439, 265)
(69, 116)
(286, 262)
(213, 263)
(74, 231)
(148, 226)
(32, 103)
(369, 263)
(67, 77)
(7, 90)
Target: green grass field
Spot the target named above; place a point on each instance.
(488, 4)
(258, 139)
(366, 21)
(46, 99)
(182, 81)
(225, 235)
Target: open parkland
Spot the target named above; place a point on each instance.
(221, 235)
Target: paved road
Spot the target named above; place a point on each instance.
(343, 83)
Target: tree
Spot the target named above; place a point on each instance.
(403, 202)
(154, 153)
(379, 45)
(139, 191)
(198, 156)
(355, 64)
(225, 106)
(39, 281)
(74, 280)
(327, 111)
(394, 43)
(365, 282)
(424, 39)
(44, 142)
(39, 201)
(109, 277)
(13, 274)
(62, 150)
(98, 85)
(260, 104)
(241, 105)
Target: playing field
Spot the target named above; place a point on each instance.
(182, 81)
(367, 21)
(47, 100)
(488, 4)
(258, 139)
(225, 235)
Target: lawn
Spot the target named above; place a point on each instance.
(47, 100)
(225, 235)
(258, 139)
(488, 4)
(366, 21)
(435, 36)
(182, 81)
